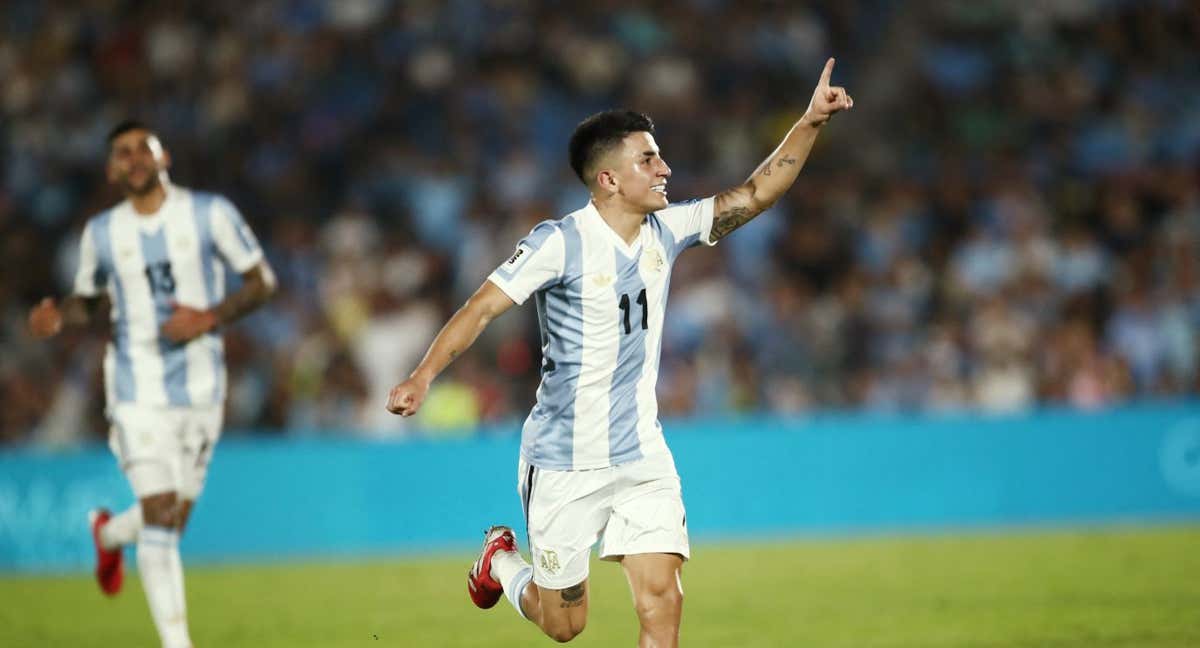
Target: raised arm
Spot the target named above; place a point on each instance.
(488, 303)
(737, 206)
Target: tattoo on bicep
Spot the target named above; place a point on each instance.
(785, 160)
(729, 220)
(573, 596)
(453, 353)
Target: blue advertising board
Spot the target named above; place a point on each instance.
(750, 477)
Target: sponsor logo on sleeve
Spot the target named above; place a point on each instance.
(518, 258)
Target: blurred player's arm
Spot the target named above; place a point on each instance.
(48, 317)
(772, 178)
(488, 303)
(185, 323)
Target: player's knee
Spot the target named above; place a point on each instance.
(659, 601)
(160, 510)
(566, 632)
(565, 628)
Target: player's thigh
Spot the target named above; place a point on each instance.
(565, 513)
(648, 516)
(146, 445)
(199, 432)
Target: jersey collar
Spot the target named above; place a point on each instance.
(593, 219)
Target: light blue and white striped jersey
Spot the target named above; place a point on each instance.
(600, 305)
(146, 263)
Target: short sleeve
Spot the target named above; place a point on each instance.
(233, 238)
(688, 223)
(90, 276)
(536, 264)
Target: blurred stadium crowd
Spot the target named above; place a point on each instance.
(1010, 217)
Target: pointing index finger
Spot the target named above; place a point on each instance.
(826, 73)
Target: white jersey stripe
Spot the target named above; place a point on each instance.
(595, 286)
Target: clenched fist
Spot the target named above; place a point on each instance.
(406, 397)
(45, 319)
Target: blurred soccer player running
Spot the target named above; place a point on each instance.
(594, 466)
(157, 262)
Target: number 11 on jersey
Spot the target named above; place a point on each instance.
(624, 304)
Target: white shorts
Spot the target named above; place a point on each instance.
(164, 449)
(632, 508)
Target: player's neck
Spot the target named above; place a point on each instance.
(149, 203)
(627, 224)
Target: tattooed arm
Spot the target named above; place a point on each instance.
(185, 323)
(258, 284)
(737, 206)
(488, 303)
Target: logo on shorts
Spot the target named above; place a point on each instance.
(548, 560)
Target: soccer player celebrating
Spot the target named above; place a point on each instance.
(157, 262)
(594, 466)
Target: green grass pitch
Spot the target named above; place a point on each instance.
(1107, 587)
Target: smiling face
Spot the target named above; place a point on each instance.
(636, 173)
(136, 160)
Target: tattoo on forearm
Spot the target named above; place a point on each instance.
(729, 220)
(251, 295)
(453, 354)
(779, 164)
(573, 596)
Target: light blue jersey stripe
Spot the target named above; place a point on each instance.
(623, 444)
(202, 212)
(549, 439)
(125, 387)
(174, 356)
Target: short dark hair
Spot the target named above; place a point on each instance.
(126, 126)
(596, 135)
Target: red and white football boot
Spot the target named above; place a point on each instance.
(110, 569)
(484, 589)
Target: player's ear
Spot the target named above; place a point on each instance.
(606, 180)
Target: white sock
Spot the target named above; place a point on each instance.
(157, 554)
(122, 528)
(513, 573)
(177, 581)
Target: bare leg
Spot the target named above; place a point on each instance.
(160, 510)
(657, 597)
(185, 512)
